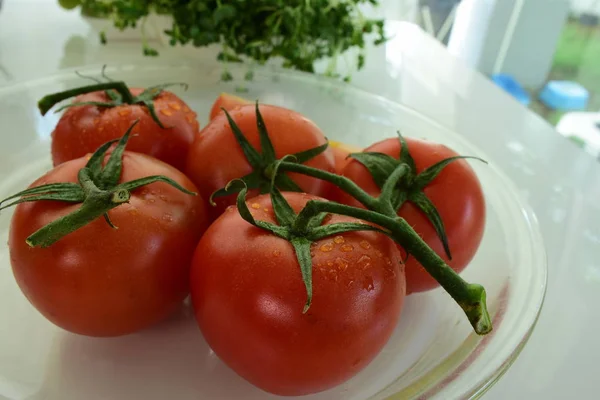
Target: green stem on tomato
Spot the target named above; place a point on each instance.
(343, 183)
(96, 204)
(49, 101)
(470, 297)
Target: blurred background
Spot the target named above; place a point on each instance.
(544, 53)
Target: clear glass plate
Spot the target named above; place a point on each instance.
(433, 352)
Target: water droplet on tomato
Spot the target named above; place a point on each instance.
(330, 263)
(276, 253)
(124, 112)
(333, 275)
(326, 247)
(151, 200)
(166, 112)
(341, 264)
(346, 248)
(163, 197)
(378, 253)
(350, 283)
(175, 106)
(167, 217)
(365, 245)
(339, 239)
(133, 212)
(364, 262)
(256, 206)
(368, 283)
(266, 209)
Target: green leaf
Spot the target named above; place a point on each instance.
(71, 190)
(111, 173)
(379, 165)
(285, 183)
(247, 216)
(152, 92)
(266, 147)
(426, 206)
(405, 156)
(317, 220)
(94, 164)
(306, 155)
(136, 183)
(283, 211)
(68, 196)
(150, 106)
(85, 103)
(223, 13)
(253, 157)
(342, 227)
(251, 181)
(302, 249)
(109, 222)
(429, 174)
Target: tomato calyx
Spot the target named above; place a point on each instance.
(298, 229)
(98, 191)
(381, 211)
(263, 163)
(410, 187)
(117, 91)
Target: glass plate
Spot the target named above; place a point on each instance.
(433, 352)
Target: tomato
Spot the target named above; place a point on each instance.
(341, 151)
(216, 158)
(248, 297)
(226, 101)
(82, 129)
(101, 281)
(455, 192)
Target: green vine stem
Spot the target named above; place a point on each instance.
(470, 297)
(49, 101)
(117, 92)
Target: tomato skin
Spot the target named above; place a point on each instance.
(248, 296)
(226, 101)
(341, 151)
(456, 193)
(100, 281)
(216, 158)
(82, 129)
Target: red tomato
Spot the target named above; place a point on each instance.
(248, 297)
(216, 158)
(456, 193)
(82, 129)
(226, 101)
(341, 151)
(101, 281)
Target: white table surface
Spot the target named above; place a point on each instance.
(560, 181)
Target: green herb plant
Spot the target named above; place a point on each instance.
(299, 32)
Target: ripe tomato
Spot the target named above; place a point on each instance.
(226, 101)
(215, 157)
(455, 192)
(248, 296)
(101, 281)
(341, 151)
(82, 129)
